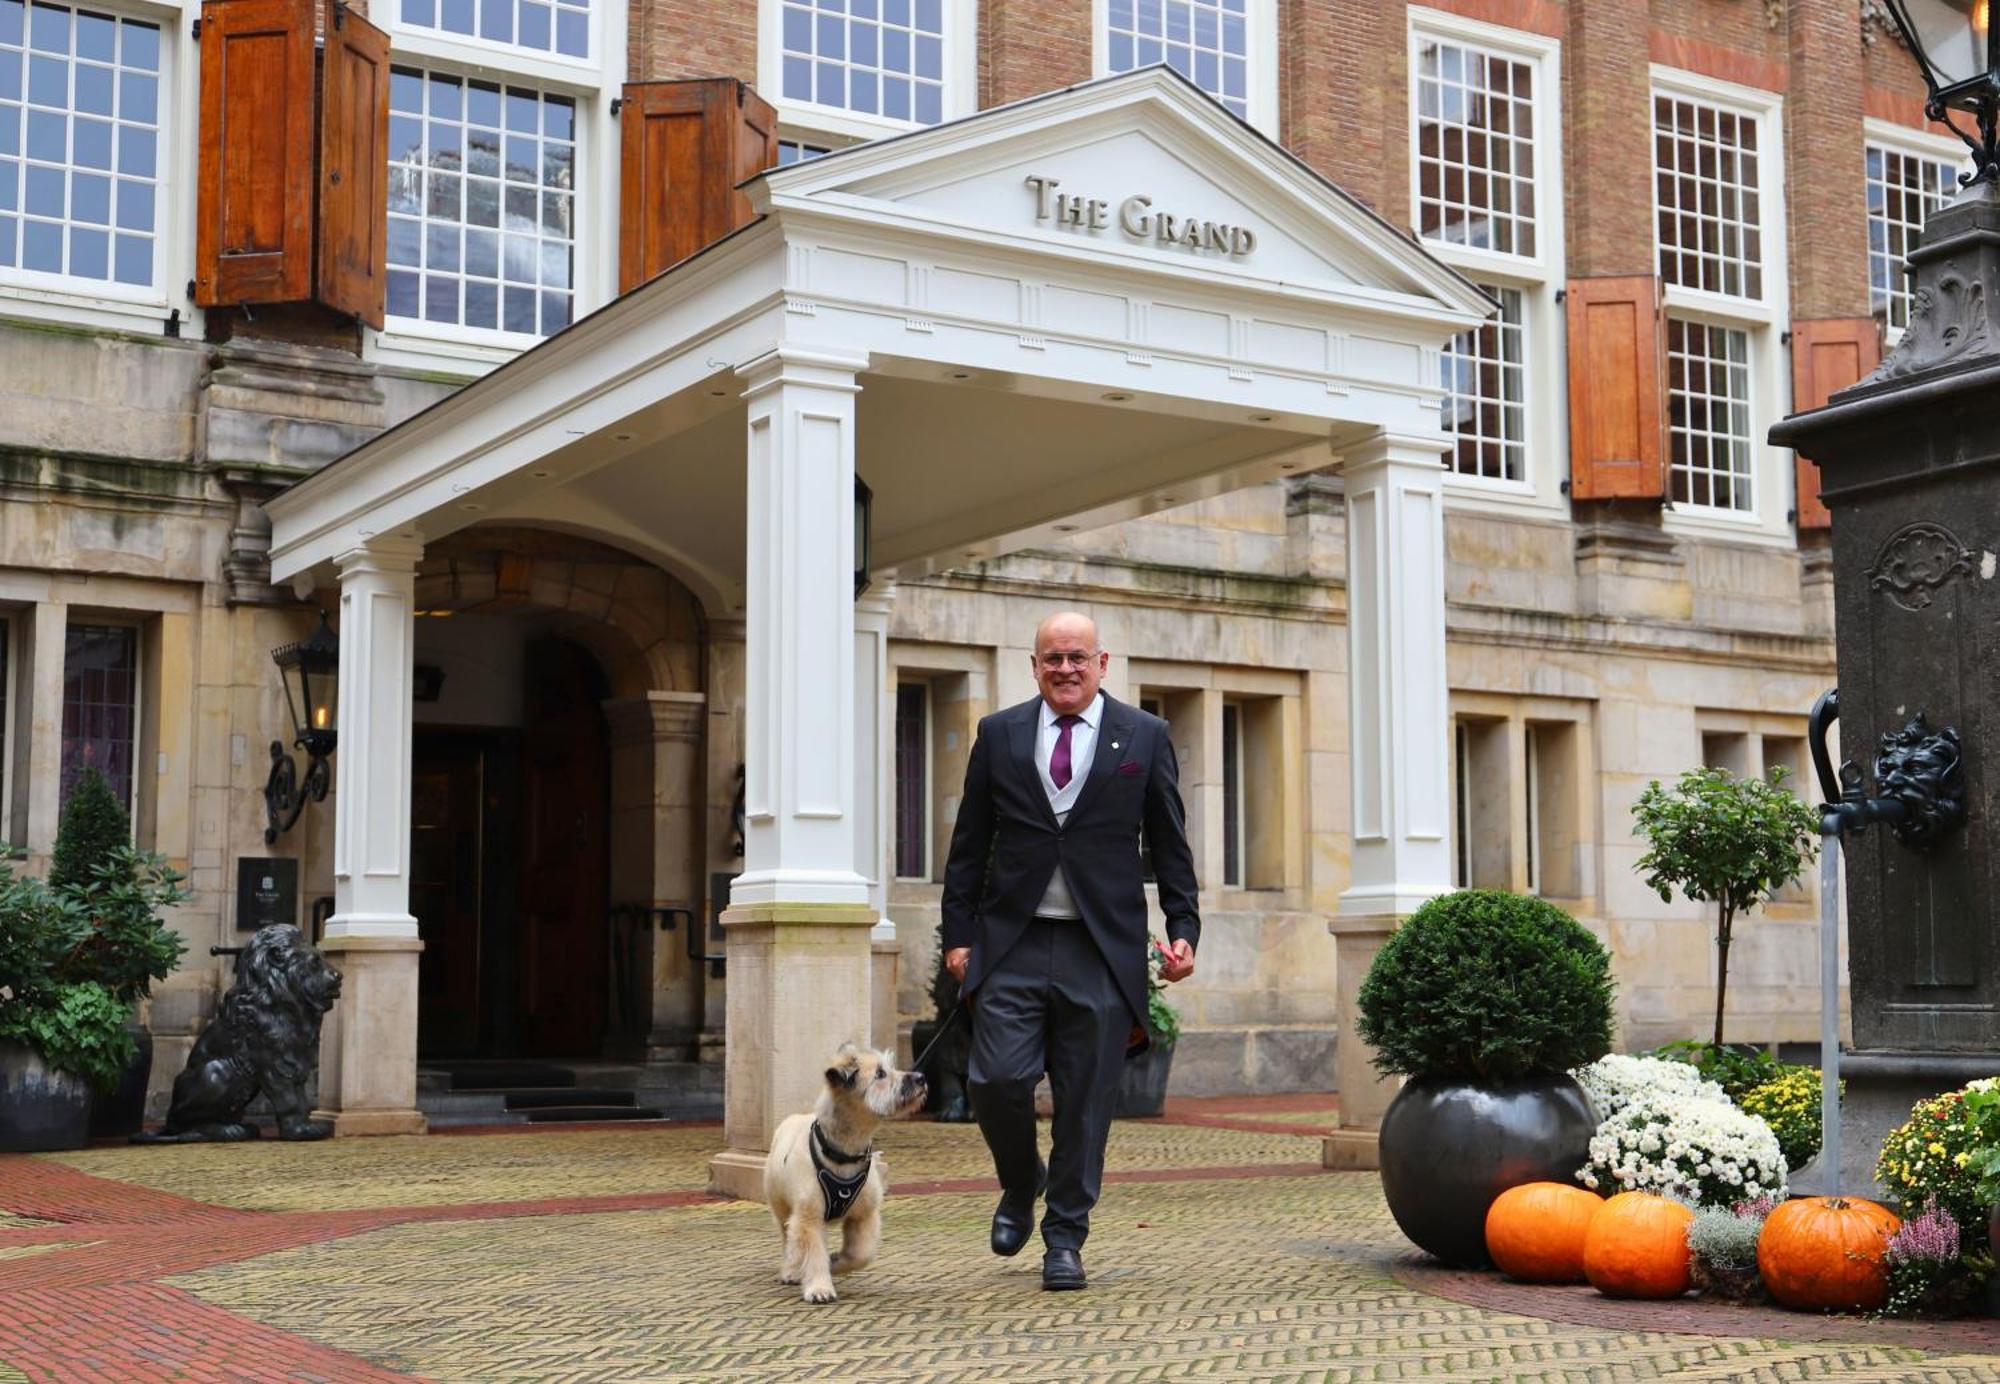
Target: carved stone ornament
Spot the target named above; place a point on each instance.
(1947, 320)
(1918, 560)
(1875, 20)
(1923, 770)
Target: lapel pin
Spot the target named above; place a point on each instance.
(1114, 744)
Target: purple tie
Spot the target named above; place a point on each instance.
(1059, 770)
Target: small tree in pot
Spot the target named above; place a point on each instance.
(1485, 1000)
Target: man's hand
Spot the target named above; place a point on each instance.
(1177, 962)
(956, 960)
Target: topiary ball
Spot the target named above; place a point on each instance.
(1637, 1247)
(1482, 986)
(1535, 1232)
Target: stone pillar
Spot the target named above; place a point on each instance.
(799, 916)
(875, 797)
(368, 1047)
(1399, 736)
(724, 855)
(38, 754)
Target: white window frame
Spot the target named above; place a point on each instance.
(593, 86)
(1764, 319)
(1538, 277)
(1911, 143)
(1261, 62)
(929, 814)
(811, 123)
(127, 307)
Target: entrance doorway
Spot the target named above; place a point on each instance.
(508, 870)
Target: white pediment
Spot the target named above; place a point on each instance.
(1141, 168)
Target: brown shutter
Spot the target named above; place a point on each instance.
(1827, 356)
(686, 145)
(354, 167)
(253, 236)
(1616, 407)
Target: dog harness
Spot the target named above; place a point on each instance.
(838, 1192)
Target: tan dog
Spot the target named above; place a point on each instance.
(822, 1168)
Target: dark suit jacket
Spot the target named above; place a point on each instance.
(1006, 844)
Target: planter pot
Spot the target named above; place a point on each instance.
(119, 1113)
(40, 1109)
(1449, 1147)
(1142, 1092)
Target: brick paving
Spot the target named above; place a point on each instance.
(1220, 1251)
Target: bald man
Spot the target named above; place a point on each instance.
(1045, 926)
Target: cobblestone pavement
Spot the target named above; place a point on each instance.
(1218, 1252)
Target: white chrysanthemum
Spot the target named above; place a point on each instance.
(1703, 1151)
(1614, 1081)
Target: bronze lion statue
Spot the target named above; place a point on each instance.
(265, 1038)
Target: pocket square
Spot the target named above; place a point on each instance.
(1129, 767)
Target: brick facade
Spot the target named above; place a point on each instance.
(1031, 46)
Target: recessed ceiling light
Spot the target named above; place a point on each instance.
(1170, 499)
(473, 506)
(1288, 466)
(541, 475)
(1117, 398)
(1260, 417)
(961, 374)
(718, 393)
(621, 437)
(1065, 528)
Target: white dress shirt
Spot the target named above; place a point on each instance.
(1057, 903)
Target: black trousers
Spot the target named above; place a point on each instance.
(1050, 1004)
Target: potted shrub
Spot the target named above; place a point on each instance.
(1485, 1000)
(58, 1035)
(1143, 1090)
(1722, 1249)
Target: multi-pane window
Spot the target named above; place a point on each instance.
(79, 142)
(1903, 189)
(1206, 41)
(561, 27)
(791, 151)
(1485, 394)
(482, 204)
(1705, 165)
(1475, 148)
(1708, 415)
(912, 780)
(100, 706)
(1232, 795)
(870, 57)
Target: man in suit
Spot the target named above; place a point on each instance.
(1045, 926)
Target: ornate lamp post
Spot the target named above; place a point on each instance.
(1961, 67)
(310, 671)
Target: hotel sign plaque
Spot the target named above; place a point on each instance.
(1137, 218)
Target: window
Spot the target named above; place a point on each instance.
(80, 110)
(561, 27)
(1475, 148)
(1904, 187)
(791, 151)
(913, 799)
(872, 57)
(1232, 795)
(1485, 405)
(1521, 795)
(482, 204)
(100, 707)
(1708, 416)
(1228, 48)
(1719, 239)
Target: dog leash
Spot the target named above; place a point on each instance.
(942, 1029)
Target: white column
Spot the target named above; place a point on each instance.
(1399, 738)
(799, 915)
(368, 1046)
(874, 796)
(799, 719)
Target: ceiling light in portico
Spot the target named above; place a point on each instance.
(1116, 398)
(1288, 466)
(1260, 417)
(621, 437)
(541, 475)
(960, 374)
(1065, 528)
(473, 507)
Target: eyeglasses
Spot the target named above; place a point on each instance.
(1066, 658)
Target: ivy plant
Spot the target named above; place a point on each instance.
(1732, 842)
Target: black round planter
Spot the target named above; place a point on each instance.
(1449, 1147)
(40, 1108)
(1142, 1088)
(118, 1113)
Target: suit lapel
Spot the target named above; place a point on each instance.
(1021, 749)
(1112, 738)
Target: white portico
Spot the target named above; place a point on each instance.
(1046, 316)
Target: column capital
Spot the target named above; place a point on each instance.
(1410, 448)
(879, 600)
(797, 366)
(656, 716)
(390, 554)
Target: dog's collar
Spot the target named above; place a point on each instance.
(838, 1190)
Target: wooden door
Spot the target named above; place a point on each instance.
(564, 854)
(445, 889)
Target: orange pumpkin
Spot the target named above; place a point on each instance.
(1824, 1254)
(1535, 1231)
(1637, 1247)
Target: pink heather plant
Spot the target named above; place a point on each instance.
(1931, 1237)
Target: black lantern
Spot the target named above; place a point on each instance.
(1953, 41)
(310, 671)
(864, 504)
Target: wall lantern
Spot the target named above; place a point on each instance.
(310, 671)
(864, 504)
(1961, 67)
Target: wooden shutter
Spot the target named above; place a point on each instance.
(1827, 356)
(686, 145)
(354, 167)
(253, 237)
(1616, 405)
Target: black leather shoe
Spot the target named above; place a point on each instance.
(1013, 1219)
(1062, 1270)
